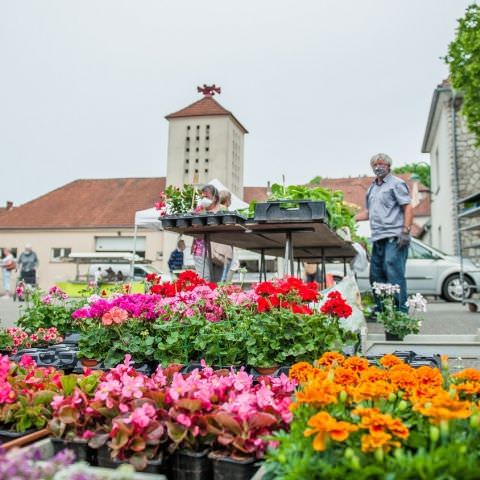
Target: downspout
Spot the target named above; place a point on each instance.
(457, 192)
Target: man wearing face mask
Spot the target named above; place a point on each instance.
(390, 214)
(208, 203)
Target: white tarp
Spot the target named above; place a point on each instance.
(149, 218)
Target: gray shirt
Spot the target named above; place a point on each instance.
(385, 203)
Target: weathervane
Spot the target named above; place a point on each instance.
(209, 90)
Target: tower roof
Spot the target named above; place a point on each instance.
(205, 107)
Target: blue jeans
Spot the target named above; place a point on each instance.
(387, 265)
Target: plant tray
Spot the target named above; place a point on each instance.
(290, 211)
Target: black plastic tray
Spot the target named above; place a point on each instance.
(290, 211)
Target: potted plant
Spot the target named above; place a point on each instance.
(398, 323)
(25, 395)
(175, 202)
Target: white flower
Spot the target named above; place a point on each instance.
(416, 303)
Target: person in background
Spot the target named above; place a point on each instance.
(110, 274)
(175, 262)
(391, 214)
(120, 276)
(208, 203)
(311, 272)
(98, 275)
(28, 264)
(8, 265)
(225, 203)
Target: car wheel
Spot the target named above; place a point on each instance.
(452, 288)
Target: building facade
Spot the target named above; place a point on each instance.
(455, 170)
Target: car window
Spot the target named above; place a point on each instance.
(419, 252)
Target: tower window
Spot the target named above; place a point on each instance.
(197, 149)
(206, 170)
(186, 170)
(197, 138)
(187, 149)
(187, 160)
(207, 138)
(198, 127)
(208, 127)
(196, 170)
(206, 160)
(196, 160)
(188, 127)
(187, 139)
(207, 149)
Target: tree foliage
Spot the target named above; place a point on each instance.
(463, 59)
(419, 171)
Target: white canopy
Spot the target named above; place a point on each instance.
(148, 218)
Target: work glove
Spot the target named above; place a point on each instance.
(403, 240)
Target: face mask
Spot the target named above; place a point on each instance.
(205, 202)
(380, 171)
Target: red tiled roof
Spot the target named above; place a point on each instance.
(207, 106)
(91, 203)
(255, 193)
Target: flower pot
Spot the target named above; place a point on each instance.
(266, 370)
(188, 465)
(199, 220)
(232, 219)
(215, 219)
(392, 337)
(183, 222)
(104, 458)
(80, 447)
(158, 465)
(168, 222)
(228, 468)
(7, 435)
(89, 362)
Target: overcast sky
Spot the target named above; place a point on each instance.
(321, 85)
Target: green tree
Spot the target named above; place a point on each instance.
(419, 171)
(463, 59)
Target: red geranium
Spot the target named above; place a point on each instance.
(336, 306)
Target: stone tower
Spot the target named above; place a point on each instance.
(205, 141)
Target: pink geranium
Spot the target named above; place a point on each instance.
(115, 316)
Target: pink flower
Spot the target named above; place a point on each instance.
(141, 417)
(115, 315)
(57, 401)
(87, 434)
(26, 361)
(184, 420)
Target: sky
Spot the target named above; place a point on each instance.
(321, 85)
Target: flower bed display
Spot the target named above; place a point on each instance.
(274, 323)
(385, 421)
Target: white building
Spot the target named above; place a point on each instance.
(455, 167)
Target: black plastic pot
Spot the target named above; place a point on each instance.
(168, 222)
(214, 219)
(7, 435)
(183, 222)
(227, 468)
(79, 447)
(392, 337)
(232, 219)
(199, 220)
(188, 465)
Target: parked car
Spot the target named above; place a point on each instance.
(429, 272)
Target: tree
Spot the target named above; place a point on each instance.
(463, 59)
(419, 171)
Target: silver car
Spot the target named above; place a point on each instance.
(429, 272)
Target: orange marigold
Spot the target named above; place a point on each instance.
(389, 361)
(443, 407)
(357, 364)
(468, 388)
(403, 379)
(331, 358)
(319, 391)
(371, 390)
(381, 439)
(345, 376)
(468, 374)
(373, 374)
(301, 371)
(428, 376)
(375, 421)
(324, 426)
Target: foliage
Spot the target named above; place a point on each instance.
(177, 201)
(419, 170)
(340, 214)
(394, 320)
(25, 393)
(463, 60)
(387, 421)
(53, 309)
(13, 339)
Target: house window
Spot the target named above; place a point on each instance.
(60, 254)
